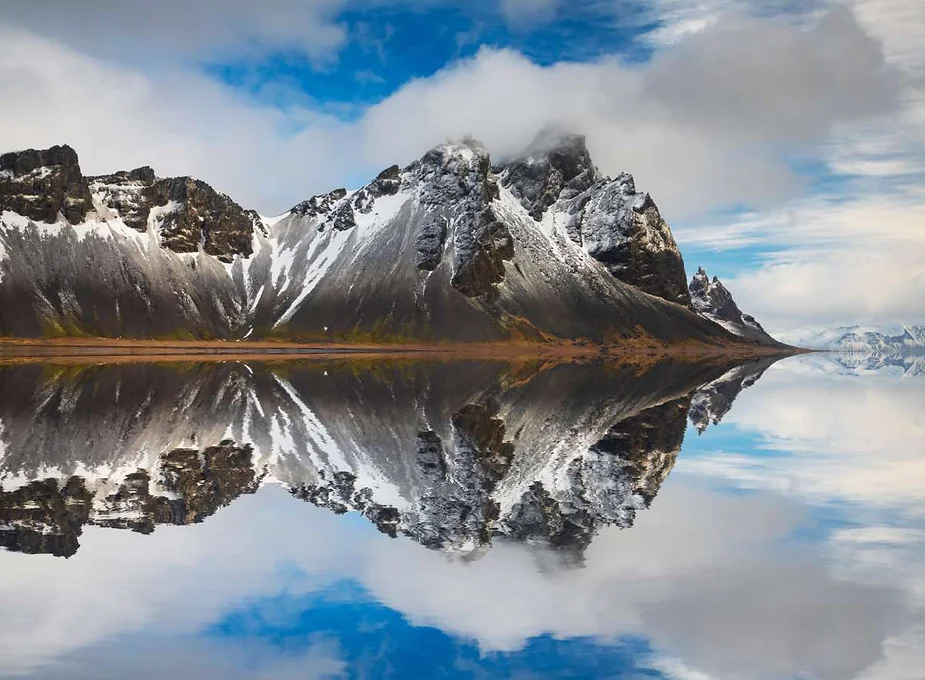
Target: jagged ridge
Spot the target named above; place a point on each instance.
(447, 248)
(712, 300)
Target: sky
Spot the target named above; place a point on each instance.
(783, 140)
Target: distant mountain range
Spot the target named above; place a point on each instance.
(911, 339)
(451, 247)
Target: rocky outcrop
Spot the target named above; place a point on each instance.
(186, 213)
(459, 188)
(557, 166)
(619, 475)
(47, 517)
(713, 301)
(557, 181)
(44, 185)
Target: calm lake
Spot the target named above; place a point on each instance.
(396, 519)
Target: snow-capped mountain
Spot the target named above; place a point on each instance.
(450, 455)
(712, 300)
(905, 364)
(449, 247)
(856, 339)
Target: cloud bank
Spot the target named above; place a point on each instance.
(695, 147)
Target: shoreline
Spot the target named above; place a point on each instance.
(115, 350)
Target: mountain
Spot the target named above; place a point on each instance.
(452, 455)
(711, 403)
(713, 301)
(906, 364)
(447, 248)
(855, 339)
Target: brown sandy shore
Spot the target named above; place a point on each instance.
(106, 350)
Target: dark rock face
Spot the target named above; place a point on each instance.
(459, 188)
(713, 297)
(622, 473)
(614, 223)
(42, 184)
(555, 166)
(458, 511)
(44, 517)
(387, 183)
(197, 483)
(189, 214)
(321, 204)
(648, 444)
(125, 192)
(624, 230)
(340, 494)
(713, 300)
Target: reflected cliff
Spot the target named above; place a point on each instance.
(453, 455)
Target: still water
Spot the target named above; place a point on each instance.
(464, 520)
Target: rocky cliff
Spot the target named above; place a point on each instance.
(186, 214)
(560, 187)
(712, 300)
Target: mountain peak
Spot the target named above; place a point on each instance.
(467, 150)
(556, 165)
(712, 300)
(43, 184)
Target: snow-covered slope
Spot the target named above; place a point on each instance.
(446, 248)
(447, 454)
(712, 300)
(856, 339)
(560, 187)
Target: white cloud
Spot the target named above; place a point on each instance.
(846, 440)
(170, 30)
(710, 595)
(836, 260)
(181, 123)
(526, 13)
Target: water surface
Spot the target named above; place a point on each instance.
(392, 519)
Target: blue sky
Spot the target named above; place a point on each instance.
(389, 45)
(782, 140)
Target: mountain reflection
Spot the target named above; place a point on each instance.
(452, 455)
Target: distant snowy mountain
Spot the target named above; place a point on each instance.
(712, 300)
(910, 339)
(449, 247)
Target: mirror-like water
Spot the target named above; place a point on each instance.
(392, 519)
